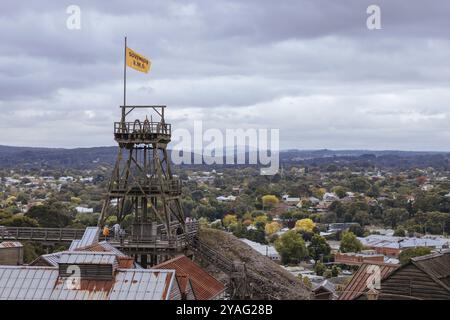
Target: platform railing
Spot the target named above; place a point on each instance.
(40, 234)
(139, 129)
(150, 186)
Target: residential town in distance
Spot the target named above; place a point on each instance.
(325, 222)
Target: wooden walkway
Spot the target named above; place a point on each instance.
(67, 235)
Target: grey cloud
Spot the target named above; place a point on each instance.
(309, 67)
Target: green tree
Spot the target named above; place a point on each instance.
(394, 216)
(328, 273)
(19, 221)
(291, 247)
(406, 255)
(48, 216)
(31, 251)
(339, 191)
(400, 232)
(319, 248)
(335, 270)
(350, 243)
(359, 184)
(319, 268)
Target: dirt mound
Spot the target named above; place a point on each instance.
(268, 279)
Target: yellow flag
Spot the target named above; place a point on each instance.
(137, 61)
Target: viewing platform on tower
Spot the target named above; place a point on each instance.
(147, 131)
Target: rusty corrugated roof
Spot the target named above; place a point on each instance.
(358, 284)
(10, 244)
(43, 283)
(103, 246)
(52, 259)
(204, 285)
(72, 257)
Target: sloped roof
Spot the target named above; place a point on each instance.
(358, 284)
(52, 259)
(327, 286)
(204, 285)
(71, 257)
(103, 246)
(74, 245)
(90, 237)
(43, 283)
(436, 265)
(10, 244)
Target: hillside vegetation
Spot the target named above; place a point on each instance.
(273, 281)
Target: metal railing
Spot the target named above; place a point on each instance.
(191, 229)
(40, 234)
(67, 235)
(139, 129)
(149, 186)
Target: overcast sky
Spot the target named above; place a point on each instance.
(310, 68)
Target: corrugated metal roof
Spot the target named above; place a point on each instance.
(90, 237)
(10, 244)
(24, 283)
(143, 284)
(80, 257)
(52, 258)
(74, 245)
(358, 284)
(383, 241)
(204, 285)
(43, 283)
(103, 246)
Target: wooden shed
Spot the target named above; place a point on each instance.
(11, 253)
(423, 278)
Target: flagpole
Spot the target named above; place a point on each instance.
(124, 81)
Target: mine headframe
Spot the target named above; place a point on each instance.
(142, 184)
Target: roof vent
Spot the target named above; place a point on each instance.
(88, 265)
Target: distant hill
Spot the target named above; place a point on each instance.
(56, 157)
(86, 158)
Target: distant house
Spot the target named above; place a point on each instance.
(427, 187)
(330, 197)
(236, 190)
(293, 201)
(265, 250)
(323, 206)
(226, 198)
(326, 290)
(87, 179)
(392, 246)
(84, 210)
(340, 226)
(66, 179)
(366, 256)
